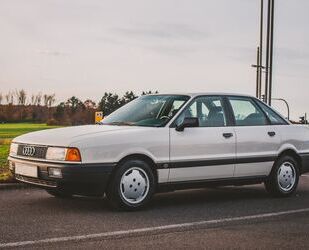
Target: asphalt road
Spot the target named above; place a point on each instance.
(230, 217)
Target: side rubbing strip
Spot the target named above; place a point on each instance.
(204, 163)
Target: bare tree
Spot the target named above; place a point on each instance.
(32, 99)
(21, 96)
(45, 99)
(1, 97)
(51, 100)
(38, 99)
(9, 97)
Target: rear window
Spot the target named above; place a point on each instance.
(246, 112)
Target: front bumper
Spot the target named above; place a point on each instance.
(84, 179)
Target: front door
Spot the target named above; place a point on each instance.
(204, 152)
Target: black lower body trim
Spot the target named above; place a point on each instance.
(237, 181)
(304, 163)
(187, 164)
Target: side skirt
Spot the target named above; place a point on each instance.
(172, 186)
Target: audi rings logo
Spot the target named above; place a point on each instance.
(29, 151)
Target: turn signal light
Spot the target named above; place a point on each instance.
(73, 155)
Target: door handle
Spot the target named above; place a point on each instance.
(271, 133)
(227, 135)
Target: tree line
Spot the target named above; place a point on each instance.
(18, 106)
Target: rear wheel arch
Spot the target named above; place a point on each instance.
(292, 153)
(284, 177)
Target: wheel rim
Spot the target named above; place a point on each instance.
(134, 185)
(286, 176)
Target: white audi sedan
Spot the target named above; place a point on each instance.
(166, 142)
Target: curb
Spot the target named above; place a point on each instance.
(10, 186)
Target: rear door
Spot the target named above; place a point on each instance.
(257, 140)
(204, 152)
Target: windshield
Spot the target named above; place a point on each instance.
(151, 110)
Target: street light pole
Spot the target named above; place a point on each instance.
(258, 70)
(286, 103)
(267, 50)
(271, 52)
(261, 50)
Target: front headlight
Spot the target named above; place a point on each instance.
(56, 154)
(63, 154)
(13, 149)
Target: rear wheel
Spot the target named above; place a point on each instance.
(132, 186)
(284, 177)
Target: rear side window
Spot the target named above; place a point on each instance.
(246, 112)
(274, 118)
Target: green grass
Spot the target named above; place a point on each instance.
(12, 130)
(7, 133)
(4, 152)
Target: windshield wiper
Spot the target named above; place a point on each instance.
(119, 123)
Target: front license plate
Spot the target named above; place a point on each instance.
(26, 170)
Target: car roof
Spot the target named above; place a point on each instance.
(206, 93)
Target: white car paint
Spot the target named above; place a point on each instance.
(110, 144)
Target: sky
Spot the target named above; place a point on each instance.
(87, 47)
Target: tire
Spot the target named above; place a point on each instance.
(132, 186)
(59, 194)
(284, 177)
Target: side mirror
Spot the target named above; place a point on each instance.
(188, 122)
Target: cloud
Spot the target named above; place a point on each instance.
(168, 39)
(292, 55)
(52, 53)
(163, 32)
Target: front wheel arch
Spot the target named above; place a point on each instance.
(114, 193)
(141, 157)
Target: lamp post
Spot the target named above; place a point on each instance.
(269, 53)
(259, 67)
(286, 103)
(261, 50)
(269, 50)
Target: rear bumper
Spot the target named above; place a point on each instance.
(305, 163)
(84, 179)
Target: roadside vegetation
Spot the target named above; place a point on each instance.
(18, 106)
(21, 113)
(7, 133)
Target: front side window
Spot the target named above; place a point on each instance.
(274, 118)
(246, 112)
(150, 111)
(208, 110)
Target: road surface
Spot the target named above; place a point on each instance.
(229, 217)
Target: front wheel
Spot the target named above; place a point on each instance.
(284, 177)
(132, 186)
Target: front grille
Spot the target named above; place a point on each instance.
(35, 181)
(40, 151)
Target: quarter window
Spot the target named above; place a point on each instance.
(209, 111)
(246, 112)
(274, 118)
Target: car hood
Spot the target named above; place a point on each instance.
(66, 136)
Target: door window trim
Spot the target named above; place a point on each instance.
(229, 121)
(259, 103)
(268, 122)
